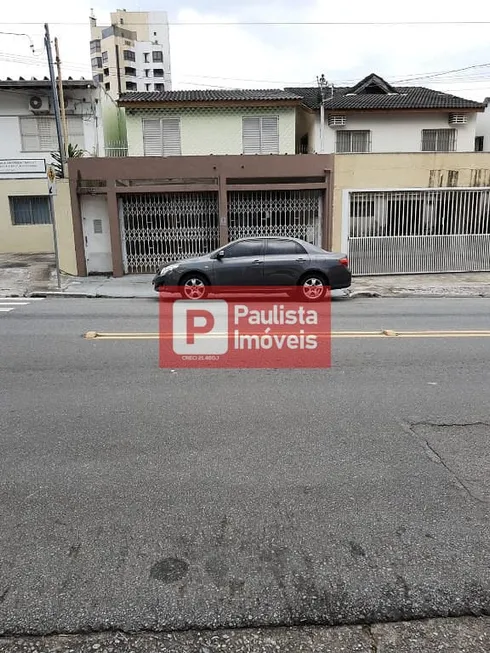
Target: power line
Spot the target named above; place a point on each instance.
(407, 23)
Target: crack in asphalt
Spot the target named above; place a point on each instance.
(436, 457)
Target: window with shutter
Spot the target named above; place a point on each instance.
(47, 134)
(269, 136)
(75, 131)
(152, 138)
(171, 136)
(260, 135)
(251, 135)
(161, 137)
(29, 134)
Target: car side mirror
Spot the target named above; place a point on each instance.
(220, 254)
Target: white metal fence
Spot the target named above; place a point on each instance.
(409, 232)
(296, 213)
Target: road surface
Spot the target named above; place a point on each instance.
(139, 498)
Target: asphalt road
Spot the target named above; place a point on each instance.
(133, 497)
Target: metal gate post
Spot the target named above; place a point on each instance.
(116, 245)
(223, 211)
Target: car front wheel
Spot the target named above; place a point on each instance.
(194, 286)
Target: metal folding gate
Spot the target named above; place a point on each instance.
(409, 232)
(296, 213)
(161, 228)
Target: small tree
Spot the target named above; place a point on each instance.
(72, 152)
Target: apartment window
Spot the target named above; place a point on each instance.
(131, 86)
(147, 87)
(26, 210)
(98, 78)
(107, 86)
(147, 57)
(158, 72)
(147, 72)
(161, 137)
(38, 134)
(157, 57)
(131, 72)
(353, 141)
(479, 144)
(105, 56)
(96, 62)
(159, 87)
(106, 72)
(438, 140)
(94, 46)
(129, 55)
(260, 135)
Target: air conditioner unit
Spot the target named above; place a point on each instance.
(69, 105)
(38, 104)
(337, 121)
(458, 119)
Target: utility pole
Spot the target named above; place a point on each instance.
(61, 96)
(323, 84)
(56, 107)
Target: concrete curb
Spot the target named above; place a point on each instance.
(432, 293)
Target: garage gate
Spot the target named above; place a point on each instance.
(294, 213)
(410, 232)
(161, 228)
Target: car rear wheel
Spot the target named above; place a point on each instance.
(313, 287)
(194, 286)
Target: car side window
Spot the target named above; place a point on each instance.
(245, 248)
(284, 247)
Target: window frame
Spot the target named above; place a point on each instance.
(95, 46)
(366, 132)
(451, 133)
(105, 56)
(156, 59)
(129, 58)
(248, 149)
(32, 223)
(76, 133)
(163, 151)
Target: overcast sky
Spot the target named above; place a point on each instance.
(232, 56)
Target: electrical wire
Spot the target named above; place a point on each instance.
(292, 23)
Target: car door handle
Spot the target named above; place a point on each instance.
(301, 259)
(257, 260)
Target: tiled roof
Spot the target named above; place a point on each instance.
(406, 97)
(235, 95)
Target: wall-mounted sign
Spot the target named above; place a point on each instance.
(11, 167)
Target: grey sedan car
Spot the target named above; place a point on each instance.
(291, 263)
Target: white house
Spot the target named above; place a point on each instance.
(375, 117)
(27, 138)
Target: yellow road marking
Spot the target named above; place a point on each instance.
(385, 333)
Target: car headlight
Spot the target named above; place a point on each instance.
(169, 268)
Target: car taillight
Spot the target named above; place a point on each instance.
(344, 261)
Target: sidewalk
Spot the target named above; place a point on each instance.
(471, 284)
(451, 635)
(34, 275)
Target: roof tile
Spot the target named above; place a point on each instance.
(233, 95)
(406, 97)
